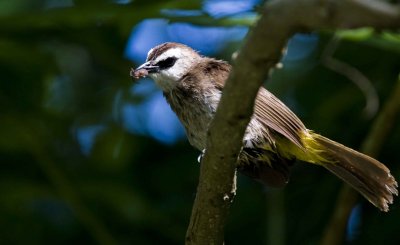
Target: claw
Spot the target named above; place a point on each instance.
(200, 157)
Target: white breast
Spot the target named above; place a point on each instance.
(199, 121)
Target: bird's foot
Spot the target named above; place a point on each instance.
(200, 157)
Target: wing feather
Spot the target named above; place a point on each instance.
(272, 113)
(268, 109)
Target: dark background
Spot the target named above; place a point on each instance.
(89, 157)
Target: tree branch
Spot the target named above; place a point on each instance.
(261, 51)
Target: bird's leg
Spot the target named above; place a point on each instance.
(200, 157)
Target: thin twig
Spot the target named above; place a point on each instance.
(380, 131)
(354, 75)
(65, 189)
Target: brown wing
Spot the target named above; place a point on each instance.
(272, 113)
(268, 109)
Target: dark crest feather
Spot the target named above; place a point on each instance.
(160, 49)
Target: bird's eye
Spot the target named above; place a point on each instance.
(167, 63)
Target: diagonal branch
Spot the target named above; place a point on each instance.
(261, 51)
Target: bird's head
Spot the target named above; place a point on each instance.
(167, 63)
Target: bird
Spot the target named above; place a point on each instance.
(274, 138)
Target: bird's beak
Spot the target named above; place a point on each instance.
(149, 67)
(144, 70)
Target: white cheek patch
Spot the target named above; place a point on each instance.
(167, 79)
(176, 71)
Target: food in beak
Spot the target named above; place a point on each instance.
(139, 73)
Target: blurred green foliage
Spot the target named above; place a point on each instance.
(61, 69)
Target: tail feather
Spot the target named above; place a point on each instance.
(368, 176)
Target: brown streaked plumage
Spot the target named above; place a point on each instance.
(275, 136)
